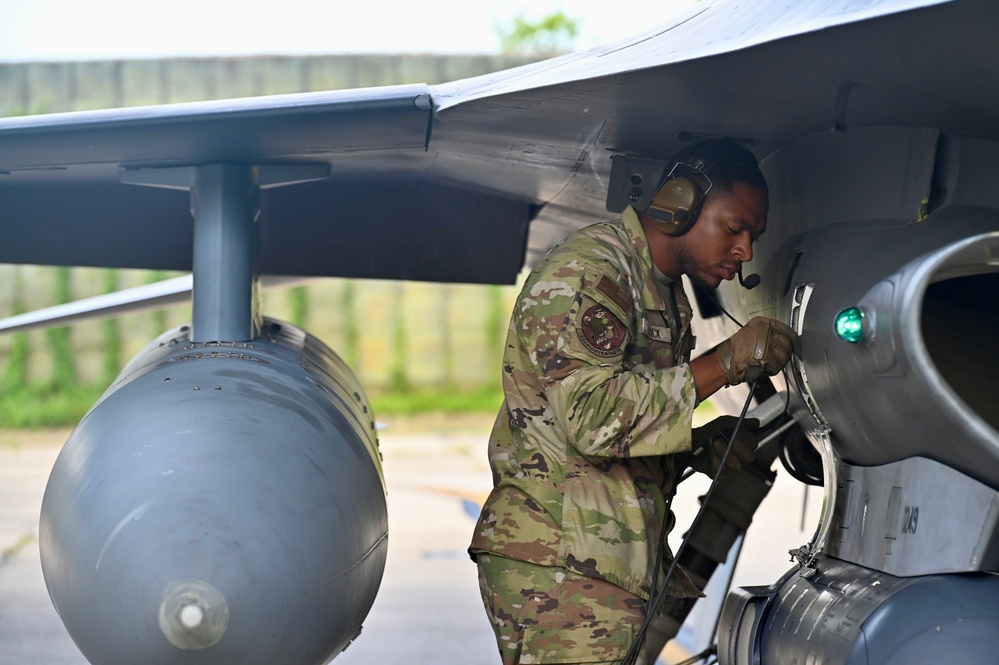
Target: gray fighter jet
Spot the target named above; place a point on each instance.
(223, 501)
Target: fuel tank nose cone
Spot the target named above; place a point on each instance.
(193, 615)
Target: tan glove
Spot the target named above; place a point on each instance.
(708, 444)
(762, 346)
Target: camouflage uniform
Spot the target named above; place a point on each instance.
(548, 614)
(598, 396)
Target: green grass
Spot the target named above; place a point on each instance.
(38, 407)
(415, 402)
(35, 407)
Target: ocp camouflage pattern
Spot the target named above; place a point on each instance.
(598, 396)
(548, 614)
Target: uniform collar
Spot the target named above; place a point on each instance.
(651, 298)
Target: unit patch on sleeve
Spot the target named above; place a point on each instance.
(601, 332)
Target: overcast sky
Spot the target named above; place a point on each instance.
(50, 30)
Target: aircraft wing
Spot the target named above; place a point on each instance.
(868, 118)
(456, 182)
(164, 293)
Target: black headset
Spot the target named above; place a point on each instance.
(678, 200)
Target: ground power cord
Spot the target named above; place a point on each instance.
(660, 592)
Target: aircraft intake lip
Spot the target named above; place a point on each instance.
(921, 381)
(976, 255)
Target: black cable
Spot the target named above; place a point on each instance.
(704, 655)
(787, 379)
(725, 312)
(659, 595)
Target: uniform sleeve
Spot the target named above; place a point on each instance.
(577, 335)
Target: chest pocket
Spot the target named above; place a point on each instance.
(666, 344)
(658, 339)
(656, 328)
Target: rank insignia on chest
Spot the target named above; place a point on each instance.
(601, 332)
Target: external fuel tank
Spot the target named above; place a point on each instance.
(221, 503)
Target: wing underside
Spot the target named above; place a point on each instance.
(469, 181)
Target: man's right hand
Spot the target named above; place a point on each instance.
(762, 346)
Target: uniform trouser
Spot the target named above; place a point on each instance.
(548, 614)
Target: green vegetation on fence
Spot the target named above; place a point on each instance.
(15, 372)
(112, 334)
(454, 351)
(33, 406)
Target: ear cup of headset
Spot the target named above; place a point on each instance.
(674, 207)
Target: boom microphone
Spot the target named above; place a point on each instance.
(750, 282)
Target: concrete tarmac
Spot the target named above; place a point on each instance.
(428, 609)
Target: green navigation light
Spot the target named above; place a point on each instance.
(850, 325)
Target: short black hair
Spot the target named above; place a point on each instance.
(724, 161)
